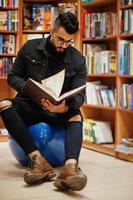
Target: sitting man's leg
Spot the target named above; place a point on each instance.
(13, 118)
(71, 176)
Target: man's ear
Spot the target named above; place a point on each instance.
(51, 32)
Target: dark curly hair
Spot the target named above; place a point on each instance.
(68, 21)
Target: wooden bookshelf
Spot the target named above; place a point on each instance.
(6, 91)
(120, 118)
(106, 149)
(3, 138)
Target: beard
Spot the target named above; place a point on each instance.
(60, 49)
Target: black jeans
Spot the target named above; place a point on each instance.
(24, 113)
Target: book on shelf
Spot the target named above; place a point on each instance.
(127, 142)
(124, 149)
(5, 65)
(97, 94)
(9, 3)
(88, 130)
(38, 11)
(86, 1)
(99, 59)
(9, 20)
(97, 25)
(8, 45)
(68, 7)
(27, 17)
(98, 132)
(126, 2)
(126, 58)
(3, 20)
(125, 146)
(38, 16)
(126, 96)
(126, 16)
(49, 88)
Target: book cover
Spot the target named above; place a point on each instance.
(103, 132)
(47, 17)
(3, 20)
(50, 88)
(38, 16)
(8, 45)
(88, 130)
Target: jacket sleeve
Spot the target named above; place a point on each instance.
(16, 77)
(77, 80)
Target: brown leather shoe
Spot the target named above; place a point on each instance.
(40, 171)
(71, 177)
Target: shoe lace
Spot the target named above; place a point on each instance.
(75, 168)
(33, 162)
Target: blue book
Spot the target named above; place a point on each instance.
(1, 42)
(126, 58)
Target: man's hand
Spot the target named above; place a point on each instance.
(60, 108)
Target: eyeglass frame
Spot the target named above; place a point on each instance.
(62, 41)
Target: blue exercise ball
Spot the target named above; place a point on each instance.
(48, 139)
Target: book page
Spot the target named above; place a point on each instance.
(44, 88)
(55, 82)
(71, 93)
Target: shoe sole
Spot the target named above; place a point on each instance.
(76, 183)
(32, 178)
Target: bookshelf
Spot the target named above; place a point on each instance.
(9, 43)
(21, 34)
(53, 5)
(121, 115)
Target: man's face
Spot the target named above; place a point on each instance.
(61, 39)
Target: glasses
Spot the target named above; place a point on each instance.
(62, 41)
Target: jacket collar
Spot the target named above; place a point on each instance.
(42, 47)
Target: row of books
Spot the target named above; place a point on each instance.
(126, 17)
(9, 3)
(42, 16)
(100, 24)
(126, 96)
(126, 2)
(98, 132)
(126, 57)
(9, 20)
(5, 65)
(7, 43)
(99, 59)
(97, 94)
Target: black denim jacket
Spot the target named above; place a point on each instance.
(32, 62)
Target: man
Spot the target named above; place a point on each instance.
(39, 59)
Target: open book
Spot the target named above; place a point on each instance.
(49, 88)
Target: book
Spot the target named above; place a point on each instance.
(89, 130)
(103, 132)
(98, 132)
(124, 149)
(49, 88)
